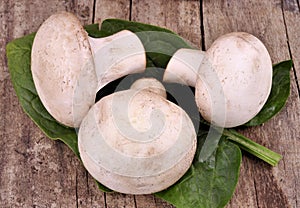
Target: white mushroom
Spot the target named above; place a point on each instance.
(137, 142)
(183, 67)
(68, 67)
(236, 67)
(150, 84)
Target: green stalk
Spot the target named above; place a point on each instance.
(252, 147)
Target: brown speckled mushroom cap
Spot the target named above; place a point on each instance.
(62, 67)
(233, 78)
(150, 84)
(137, 142)
(243, 67)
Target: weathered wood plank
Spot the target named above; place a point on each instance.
(183, 17)
(120, 200)
(291, 11)
(105, 9)
(35, 171)
(145, 201)
(260, 185)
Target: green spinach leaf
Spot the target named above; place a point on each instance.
(207, 184)
(93, 31)
(278, 96)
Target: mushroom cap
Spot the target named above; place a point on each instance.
(136, 142)
(63, 69)
(150, 84)
(242, 68)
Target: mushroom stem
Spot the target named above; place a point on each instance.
(253, 148)
(117, 55)
(183, 67)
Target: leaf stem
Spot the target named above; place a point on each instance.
(252, 147)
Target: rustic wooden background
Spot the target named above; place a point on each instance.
(38, 172)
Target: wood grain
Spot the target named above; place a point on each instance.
(183, 17)
(38, 172)
(35, 171)
(291, 12)
(105, 9)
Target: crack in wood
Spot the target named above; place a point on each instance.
(134, 200)
(256, 193)
(94, 11)
(202, 26)
(76, 189)
(105, 202)
(130, 10)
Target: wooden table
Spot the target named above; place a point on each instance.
(38, 172)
